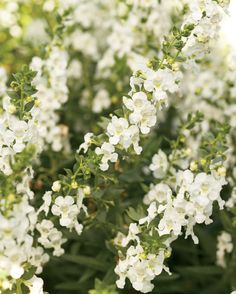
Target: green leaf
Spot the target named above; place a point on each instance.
(14, 95)
(29, 274)
(29, 106)
(226, 221)
(136, 214)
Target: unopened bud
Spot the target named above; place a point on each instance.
(56, 186)
(74, 185)
(11, 109)
(221, 171)
(87, 190)
(193, 166)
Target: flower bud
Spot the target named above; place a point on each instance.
(193, 166)
(87, 190)
(74, 185)
(56, 186)
(11, 109)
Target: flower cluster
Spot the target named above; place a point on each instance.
(224, 245)
(189, 203)
(51, 83)
(140, 268)
(150, 87)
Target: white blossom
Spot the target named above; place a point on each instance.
(101, 101)
(159, 165)
(108, 153)
(87, 143)
(224, 245)
(65, 208)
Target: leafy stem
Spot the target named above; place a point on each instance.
(18, 287)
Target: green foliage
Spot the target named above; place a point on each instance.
(101, 288)
(22, 94)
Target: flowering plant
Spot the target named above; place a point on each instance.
(117, 147)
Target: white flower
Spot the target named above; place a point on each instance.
(56, 240)
(152, 213)
(116, 129)
(139, 268)
(145, 119)
(159, 165)
(133, 231)
(161, 98)
(3, 80)
(143, 113)
(47, 198)
(101, 101)
(232, 200)
(107, 151)
(224, 245)
(38, 258)
(35, 285)
(163, 79)
(16, 271)
(44, 228)
(206, 186)
(78, 227)
(50, 237)
(56, 186)
(137, 103)
(66, 209)
(172, 221)
(87, 142)
(74, 69)
(120, 132)
(160, 193)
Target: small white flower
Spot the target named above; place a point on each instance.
(224, 245)
(159, 165)
(16, 271)
(56, 186)
(206, 186)
(116, 129)
(138, 101)
(87, 142)
(161, 98)
(47, 198)
(66, 209)
(101, 101)
(108, 153)
(152, 213)
(160, 193)
(133, 231)
(35, 285)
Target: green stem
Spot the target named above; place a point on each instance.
(18, 287)
(22, 101)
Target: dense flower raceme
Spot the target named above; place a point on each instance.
(51, 83)
(150, 88)
(23, 133)
(124, 41)
(177, 206)
(19, 136)
(124, 28)
(33, 125)
(19, 219)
